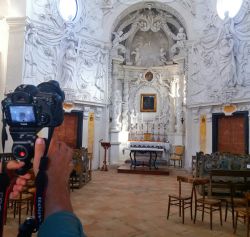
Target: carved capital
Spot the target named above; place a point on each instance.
(98, 113)
(86, 111)
(16, 24)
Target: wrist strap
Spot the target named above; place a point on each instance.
(4, 183)
(41, 184)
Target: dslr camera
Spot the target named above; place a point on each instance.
(27, 110)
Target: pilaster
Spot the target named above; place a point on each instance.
(15, 52)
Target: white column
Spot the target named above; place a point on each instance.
(209, 134)
(115, 74)
(115, 128)
(179, 137)
(125, 105)
(15, 52)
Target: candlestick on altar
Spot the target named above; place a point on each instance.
(147, 126)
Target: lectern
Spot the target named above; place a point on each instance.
(106, 146)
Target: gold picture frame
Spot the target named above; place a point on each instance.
(148, 103)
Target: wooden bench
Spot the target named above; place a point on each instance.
(240, 179)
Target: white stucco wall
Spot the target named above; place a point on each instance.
(92, 34)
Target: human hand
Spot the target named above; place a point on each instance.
(59, 168)
(21, 181)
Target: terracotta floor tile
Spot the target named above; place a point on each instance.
(130, 205)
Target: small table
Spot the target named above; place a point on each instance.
(143, 150)
(106, 146)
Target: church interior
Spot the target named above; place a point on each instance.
(157, 101)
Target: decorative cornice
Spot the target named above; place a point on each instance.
(16, 23)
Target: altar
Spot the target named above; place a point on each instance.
(147, 147)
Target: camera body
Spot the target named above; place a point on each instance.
(29, 109)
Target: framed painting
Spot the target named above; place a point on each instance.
(148, 103)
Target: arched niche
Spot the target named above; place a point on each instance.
(148, 35)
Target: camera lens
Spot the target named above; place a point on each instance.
(20, 152)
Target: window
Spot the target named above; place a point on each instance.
(230, 6)
(68, 9)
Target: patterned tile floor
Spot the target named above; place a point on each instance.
(132, 205)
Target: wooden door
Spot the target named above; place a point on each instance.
(70, 131)
(231, 134)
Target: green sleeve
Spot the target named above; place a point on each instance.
(61, 224)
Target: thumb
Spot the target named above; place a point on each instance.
(14, 165)
(39, 152)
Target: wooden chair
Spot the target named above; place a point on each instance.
(244, 213)
(86, 165)
(177, 155)
(180, 200)
(236, 200)
(204, 203)
(76, 176)
(24, 200)
(80, 174)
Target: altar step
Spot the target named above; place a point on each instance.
(126, 168)
(159, 162)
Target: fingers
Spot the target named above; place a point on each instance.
(17, 189)
(14, 165)
(22, 180)
(19, 185)
(39, 152)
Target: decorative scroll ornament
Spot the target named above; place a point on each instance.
(229, 109)
(151, 21)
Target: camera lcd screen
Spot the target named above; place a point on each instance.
(22, 114)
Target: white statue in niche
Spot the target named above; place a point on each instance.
(244, 67)
(117, 39)
(40, 54)
(100, 74)
(117, 109)
(227, 65)
(137, 56)
(163, 57)
(69, 65)
(30, 55)
(180, 37)
(118, 49)
(133, 117)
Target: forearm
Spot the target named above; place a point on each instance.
(57, 199)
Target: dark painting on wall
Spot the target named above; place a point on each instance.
(148, 103)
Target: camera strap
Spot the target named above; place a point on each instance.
(41, 183)
(4, 133)
(32, 225)
(4, 192)
(4, 181)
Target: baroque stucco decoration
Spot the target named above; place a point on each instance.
(219, 62)
(144, 40)
(148, 37)
(163, 121)
(62, 51)
(107, 5)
